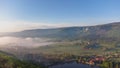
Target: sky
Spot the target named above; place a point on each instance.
(17, 15)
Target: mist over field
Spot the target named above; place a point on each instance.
(29, 42)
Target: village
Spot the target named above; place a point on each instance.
(106, 60)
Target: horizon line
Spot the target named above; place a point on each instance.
(57, 27)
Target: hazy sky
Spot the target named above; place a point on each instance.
(17, 15)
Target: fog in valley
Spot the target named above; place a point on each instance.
(19, 46)
(24, 42)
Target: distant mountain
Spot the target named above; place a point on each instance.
(105, 31)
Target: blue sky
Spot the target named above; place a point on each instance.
(67, 12)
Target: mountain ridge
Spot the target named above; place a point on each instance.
(110, 30)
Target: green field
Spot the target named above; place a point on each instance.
(76, 48)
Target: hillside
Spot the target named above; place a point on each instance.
(105, 31)
(10, 62)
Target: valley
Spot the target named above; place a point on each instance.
(62, 45)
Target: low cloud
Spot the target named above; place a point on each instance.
(7, 42)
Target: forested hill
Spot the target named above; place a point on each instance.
(105, 31)
(10, 62)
